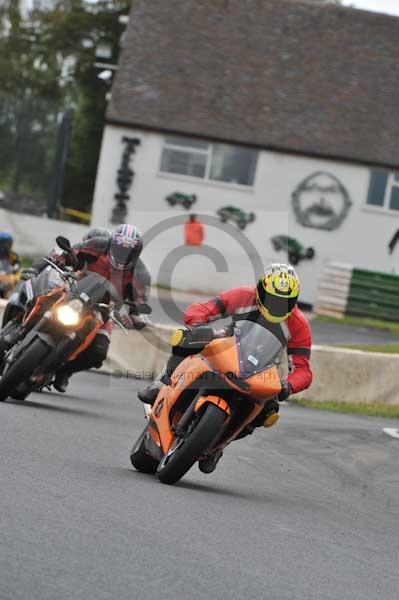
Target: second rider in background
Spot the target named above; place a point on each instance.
(115, 257)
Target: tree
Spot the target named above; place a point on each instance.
(47, 67)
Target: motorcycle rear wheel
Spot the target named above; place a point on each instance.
(186, 451)
(23, 367)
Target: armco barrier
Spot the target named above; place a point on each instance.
(141, 354)
(338, 374)
(344, 375)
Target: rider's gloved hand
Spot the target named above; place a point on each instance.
(286, 391)
(140, 321)
(28, 274)
(126, 321)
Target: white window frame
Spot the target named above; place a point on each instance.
(209, 157)
(385, 207)
(391, 183)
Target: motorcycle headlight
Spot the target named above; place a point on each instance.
(69, 314)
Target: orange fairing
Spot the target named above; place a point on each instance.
(222, 355)
(187, 372)
(89, 338)
(222, 404)
(265, 384)
(44, 300)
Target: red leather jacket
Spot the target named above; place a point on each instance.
(241, 302)
(93, 255)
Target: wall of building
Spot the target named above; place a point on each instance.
(360, 239)
(35, 236)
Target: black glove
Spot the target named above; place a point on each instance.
(285, 392)
(28, 274)
(140, 321)
(202, 333)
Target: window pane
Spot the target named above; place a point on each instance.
(396, 177)
(378, 183)
(186, 142)
(184, 163)
(234, 165)
(394, 202)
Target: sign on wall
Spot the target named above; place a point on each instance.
(124, 180)
(321, 201)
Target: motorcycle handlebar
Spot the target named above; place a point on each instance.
(64, 274)
(199, 335)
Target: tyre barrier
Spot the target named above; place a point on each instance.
(348, 291)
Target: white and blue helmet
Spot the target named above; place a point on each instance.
(125, 246)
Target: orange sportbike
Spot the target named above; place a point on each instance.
(213, 396)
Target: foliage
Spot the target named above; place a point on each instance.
(46, 67)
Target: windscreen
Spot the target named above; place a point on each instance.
(258, 348)
(98, 288)
(48, 279)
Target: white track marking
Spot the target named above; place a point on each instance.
(392, 432)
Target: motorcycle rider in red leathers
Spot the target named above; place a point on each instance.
(272, 302)
(115, 257)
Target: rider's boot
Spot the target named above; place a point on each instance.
(267, 418)
(149, 394)
(208, 464)
(61, 380)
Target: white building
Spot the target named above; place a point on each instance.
(260, 112)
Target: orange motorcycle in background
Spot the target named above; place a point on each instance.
(58, 325)
(212, 397)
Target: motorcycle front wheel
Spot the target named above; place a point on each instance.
(23, 367)
(185, 451)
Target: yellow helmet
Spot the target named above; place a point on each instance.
(277, 292)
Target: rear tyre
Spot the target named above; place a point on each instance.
(186, 451)
(23, 367)
(139, 458)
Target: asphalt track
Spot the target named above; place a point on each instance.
(307, 510)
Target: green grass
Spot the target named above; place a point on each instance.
(26, 261)
(382, 348)
(372, 410)
(362, 322)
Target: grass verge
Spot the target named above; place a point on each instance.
(382, 348)
(371, 410)
(27, 261)
(361, 322)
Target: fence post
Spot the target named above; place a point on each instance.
(61, 154)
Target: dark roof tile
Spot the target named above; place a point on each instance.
(293, 76)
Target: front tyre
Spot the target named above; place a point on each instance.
(184, 452)
(140, 459)
(23, 367)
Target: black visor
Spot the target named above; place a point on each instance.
(124, 256)
(277, 306)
